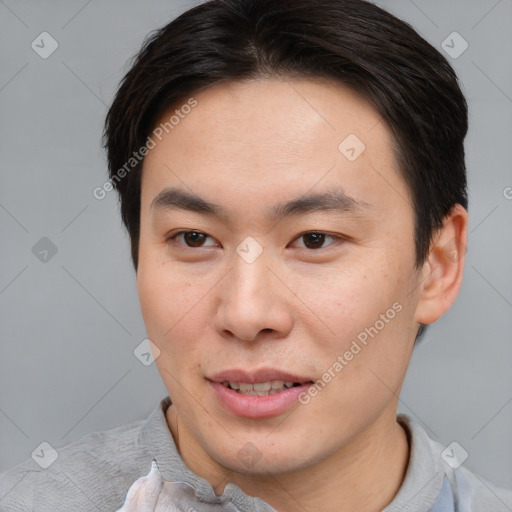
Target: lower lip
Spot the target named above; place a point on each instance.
(254, 406)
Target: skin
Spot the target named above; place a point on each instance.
(247, 146)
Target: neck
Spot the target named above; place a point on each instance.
(365, 475)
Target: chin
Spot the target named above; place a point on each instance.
(263, 456)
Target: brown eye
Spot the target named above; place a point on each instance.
(315, 239)
(191, 238)
(194, 238)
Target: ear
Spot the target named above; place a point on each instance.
(441, 275)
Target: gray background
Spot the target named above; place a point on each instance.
(70, 324)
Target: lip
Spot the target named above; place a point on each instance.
(261, 375)
(254, 406)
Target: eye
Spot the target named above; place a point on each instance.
(192, 239)
(315, 239)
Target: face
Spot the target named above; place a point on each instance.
(293, 264)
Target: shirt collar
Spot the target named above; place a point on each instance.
(424, 474)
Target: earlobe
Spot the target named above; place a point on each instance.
(441, 276)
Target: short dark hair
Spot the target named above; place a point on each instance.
(352, 42)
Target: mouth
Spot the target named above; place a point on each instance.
(260, 394)
(262, 388)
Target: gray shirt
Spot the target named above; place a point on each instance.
(97, 471)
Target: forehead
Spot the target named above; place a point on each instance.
(275, 138)
(291, 112)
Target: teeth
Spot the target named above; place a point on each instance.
(262, 386)
(259, 388)
(244, 387)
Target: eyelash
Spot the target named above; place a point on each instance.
(335, 238)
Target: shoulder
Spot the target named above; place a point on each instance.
(92, 473)
(471, 492)
(438, 477)
(475, 494)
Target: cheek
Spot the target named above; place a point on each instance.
(171, 309)
(170, 303)
(344, 298)
(363, 309)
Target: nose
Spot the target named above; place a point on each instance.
(252, 301)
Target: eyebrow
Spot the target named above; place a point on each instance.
(335, 200)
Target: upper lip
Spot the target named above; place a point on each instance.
(261, 375)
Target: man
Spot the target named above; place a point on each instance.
(292, 177)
